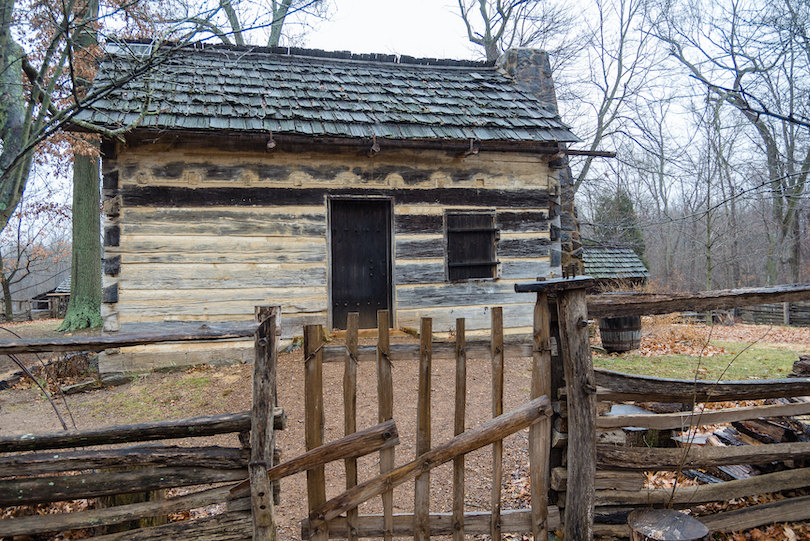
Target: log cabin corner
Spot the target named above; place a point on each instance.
(325, 183)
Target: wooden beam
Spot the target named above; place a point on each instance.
(684, 420)
(20, 465)
(620, 386)
(788, 510)
(356, 444)
(476, 349)
(513, 521)
(209, 425)
(644, 304)
(690, 495)
(100, 343)
(636, 458)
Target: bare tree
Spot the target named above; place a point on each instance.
(242, 22)
(755, 58)
(497, 25)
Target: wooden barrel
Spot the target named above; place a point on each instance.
(620, 333)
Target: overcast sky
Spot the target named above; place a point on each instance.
(421, 28)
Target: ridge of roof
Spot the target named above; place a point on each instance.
(304, 52)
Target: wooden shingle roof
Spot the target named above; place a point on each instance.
(613, 263)
(259, 90)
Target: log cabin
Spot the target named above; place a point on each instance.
(326, 183)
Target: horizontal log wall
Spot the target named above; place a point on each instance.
(205, 234)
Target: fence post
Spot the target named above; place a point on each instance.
(421, 491)
(461, 410)
(497, 410)
(314, 427)
(385, 409)
(350, 411)
(540, 432)
(262, 437)
(580, 386)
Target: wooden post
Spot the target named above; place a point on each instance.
(261, 434)
(580, 384)
(461, 411)
(540, 432)
(350, 411)
(385, 411)
(314, 427)
(421, 491)
(497, 411)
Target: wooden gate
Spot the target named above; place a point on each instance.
(339, 516)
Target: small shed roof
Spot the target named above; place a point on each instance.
(614, 263)
(216, 88)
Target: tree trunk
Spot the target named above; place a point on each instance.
(84, 308)
(8, 309)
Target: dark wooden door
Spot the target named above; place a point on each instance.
(361, 260)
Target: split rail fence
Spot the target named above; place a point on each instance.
(42, 468)
(561, 369)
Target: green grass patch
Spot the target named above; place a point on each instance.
(739, 363)
(174, 397)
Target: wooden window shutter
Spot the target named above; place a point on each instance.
(471, 242)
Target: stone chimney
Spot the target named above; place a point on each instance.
(531, 70)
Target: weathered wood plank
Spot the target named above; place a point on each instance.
(485, 434)
(222, 276)
(513, 521)
(385, 411)
(19, 465)
(208, 303)
(524, 269)
(409, 248)
(160, 430)
(650, 304)
(108, 483)
(262, 437)
(522, 222)
(350, 411)
(421, 491)
(633, 458)
(620, 386)
(524, 247)
(540, 432)
(580, 385)
(788, 510)
(225, 527)
(458, 429)
(497, 411)
(477, 317)
(179, 197)
(684, 420)
(431, 272)
(492, 293)
(696, 494)
(418, 224)
(216, 249)
(248, 222)
(357, 444)
(604, 480)
(314, 422)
